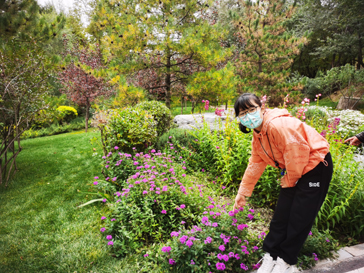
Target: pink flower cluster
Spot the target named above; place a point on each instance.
(302, 110)
(207, 103)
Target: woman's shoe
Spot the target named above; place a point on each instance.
(282, 267)
(267, 265)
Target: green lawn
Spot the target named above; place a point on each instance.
(41, 230)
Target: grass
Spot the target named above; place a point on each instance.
(41, 229)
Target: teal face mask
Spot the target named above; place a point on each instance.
(251, 121)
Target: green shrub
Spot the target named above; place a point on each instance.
(223, 153)
(335, 79)
(162, 115)
(66, 113)
(127, 129)
(318, 245)
(55, 128)
(227, 240)
(221, 239)
(267, 189)
(182, 136)
(151, 203)
(343, 209)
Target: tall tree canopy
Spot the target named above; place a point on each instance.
(165, 36)
(269, 48)
(336, 34)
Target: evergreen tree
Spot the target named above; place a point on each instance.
(25, 67)
(336, 30)
(265, 62)
(161, 35)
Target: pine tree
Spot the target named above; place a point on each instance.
(160, 35)
(269, 51)
(25, 68)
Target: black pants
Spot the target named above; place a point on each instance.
(296, 211)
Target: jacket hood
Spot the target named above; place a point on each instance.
(268, 116)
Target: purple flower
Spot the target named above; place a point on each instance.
(250, 216)
(113, 219)
(327, 240)
(114, 179)
(110, 243)
(104, 200)
(103, 218)
(183, 222)
(231, 213)
(231, 254)
(214, 224)
(102, 229)
(183, 239)
(116, 147)
(310, 233)
(192, 262)
(217, 147)
(182, 206)
(242, 226)
(219, 256)
(220, 266)
(208, 240)
(172, 262)
(237, 256)
(222, 248)
(243, 266)
(166, 249)
(145, 192)
(174, 234)
(204, 219)
(108, 237)
(256, 266)
(96, 177)
(178, 208)
(189, 243)
(164, 211)
(225, 257)
(95, 183)
(146, 255)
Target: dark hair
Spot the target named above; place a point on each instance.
(244, 102)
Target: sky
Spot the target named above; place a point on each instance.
(59, 4)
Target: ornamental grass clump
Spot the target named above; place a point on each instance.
(155, 200)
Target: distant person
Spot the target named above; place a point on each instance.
(303, 157)
(356, 140)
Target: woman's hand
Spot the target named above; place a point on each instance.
(353, 141)
(240, 201)
(283, 182)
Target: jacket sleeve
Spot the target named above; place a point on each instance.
(361, 137)
(254, 170)
(296, 154)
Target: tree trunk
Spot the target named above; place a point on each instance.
(260, 69)
(226, 105)
(360, 56)
(182, 105)
(193, 106)
(168, 80)
(87, 114)
(333, 61)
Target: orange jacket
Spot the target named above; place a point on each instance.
(296, 146)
